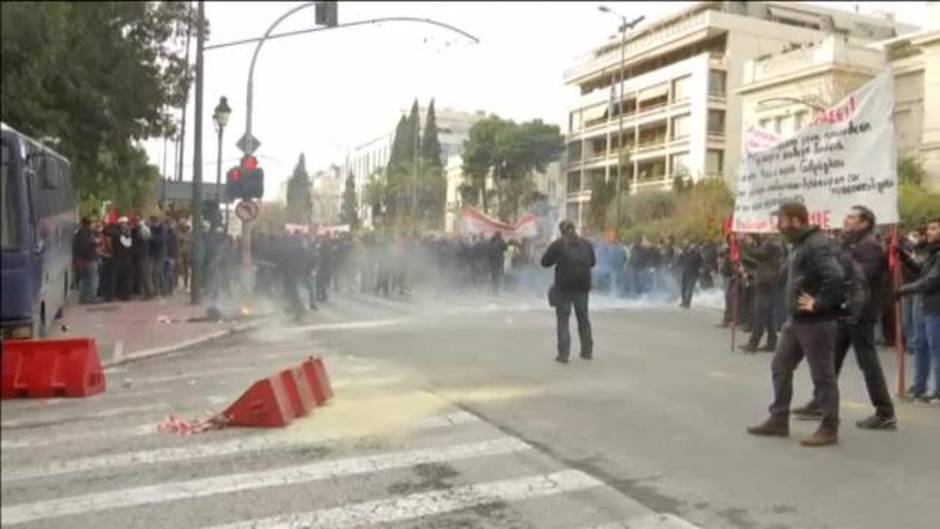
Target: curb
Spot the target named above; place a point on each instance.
(159, 351)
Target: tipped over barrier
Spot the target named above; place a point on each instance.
(271, 402)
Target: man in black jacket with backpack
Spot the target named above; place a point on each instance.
(857, 324)
(573, 258)
(815, 293)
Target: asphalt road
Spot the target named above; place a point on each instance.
(450, 413)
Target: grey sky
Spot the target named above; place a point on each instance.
(325, 92)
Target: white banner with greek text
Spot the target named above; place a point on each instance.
(845, 157)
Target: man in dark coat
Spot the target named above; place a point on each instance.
(815, 293)
(764, 259)
(691, 261)
(858, 331)
(573, 258)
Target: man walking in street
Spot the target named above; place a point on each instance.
(927, 319)
(764, 258)
(573, 258)
(857, 325)
(691, 270)
(815, 292)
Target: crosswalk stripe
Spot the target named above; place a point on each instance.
(53, 420)
(200, 488)
(36, 442)
(192, 375)
(650, 521)
(199, 451)
(419, 505)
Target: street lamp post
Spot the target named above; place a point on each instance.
(220, 118)
(624, 26)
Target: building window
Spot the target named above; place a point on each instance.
(798, 120)
(680, 164)
(714, 162)
(680, 127)
(680, 88)
(574, 182)
(764, 123)
(778, 124)
(716, 83)
(716, 122)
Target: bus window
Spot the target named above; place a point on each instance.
(9, 227)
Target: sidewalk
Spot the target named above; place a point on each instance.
(137, 329)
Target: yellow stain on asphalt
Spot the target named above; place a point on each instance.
(349, 415)
(720, 374)
(854, 405)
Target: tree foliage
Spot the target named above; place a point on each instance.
(695, 213)
(510, 153)
(430, 144)
(299, 199)
(917, 204)
(98, 77)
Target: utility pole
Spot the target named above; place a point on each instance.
(414, 170)
(181, 145)
(198, 246)
(624, 26)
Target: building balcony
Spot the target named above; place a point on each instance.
(638, 47)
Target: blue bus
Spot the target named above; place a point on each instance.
(39, 216)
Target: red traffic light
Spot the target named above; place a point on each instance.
(250, 163)
(234, 175)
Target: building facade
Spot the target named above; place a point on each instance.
(782, 92)
(679, 111)
(371, 158)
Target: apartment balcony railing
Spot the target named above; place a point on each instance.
(639, 46)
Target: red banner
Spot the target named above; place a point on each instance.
(476, 222)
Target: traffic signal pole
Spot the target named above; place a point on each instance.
(198, 246)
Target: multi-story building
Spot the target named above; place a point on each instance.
(371, 158)
(780, 93)
(678, 110)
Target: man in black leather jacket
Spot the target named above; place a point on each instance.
(860, 245)
(815, 293)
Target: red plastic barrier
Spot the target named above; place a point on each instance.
(315, 371)
(299, 391)
(266, 403)
(51, 368)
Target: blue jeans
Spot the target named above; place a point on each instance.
(563, 314)
(926, 352)
(88, 282)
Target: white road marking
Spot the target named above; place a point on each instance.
(412, 506)
(135, 431)
(650, 521)
(118, 351)
(200, 488)
(199, 451)
(366, 382)
(51, 420)
(192, 375)
(349, 325)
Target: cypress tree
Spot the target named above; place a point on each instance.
(431, 146)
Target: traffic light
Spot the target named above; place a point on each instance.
(252, 178)
(327, 14)
(234, 184)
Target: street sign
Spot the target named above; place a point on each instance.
(247, 211)
(248, 143)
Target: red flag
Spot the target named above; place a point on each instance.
(893, 261)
